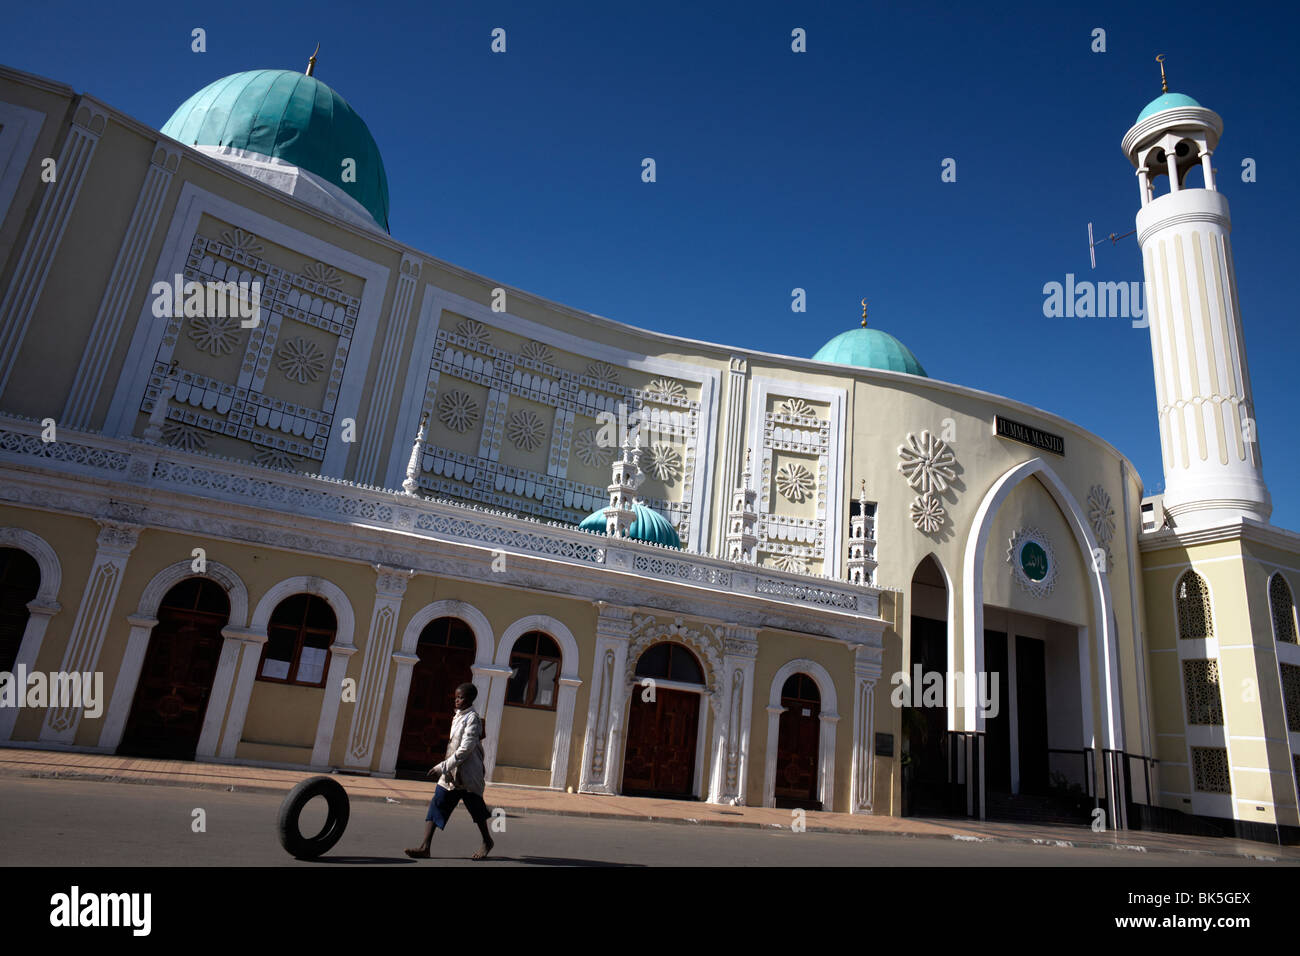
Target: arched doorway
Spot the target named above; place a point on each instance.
(662, 733)
(446, 652)
(926, 772)
(20, 579)
(798, 743)
(171, 696)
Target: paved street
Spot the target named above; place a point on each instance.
(74, 822)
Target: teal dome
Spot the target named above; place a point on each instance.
(1166, 101)
(291, 117)
(649, 525)
(870, 348)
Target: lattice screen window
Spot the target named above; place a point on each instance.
(1201, 682)
(1210, 770)
(1291, 695)
(1193, 605)
(1279, 598)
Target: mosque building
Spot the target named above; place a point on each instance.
(284, 482)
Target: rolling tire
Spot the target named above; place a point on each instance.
(291, 838)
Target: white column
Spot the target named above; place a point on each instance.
(329, 708)
(121, 281)
(731, 735)
(128, 677)
(600, 746)
(222, 683)
(564, 704)
(390, 585)
(1144, 185)
(116, 542)
(1171, 160)
(397, 711)
(46, 232)
(826, 783)
(1207, 169)
(774, 713)
(866, 671)
(496, 678)
(38, 620)
(248, 664)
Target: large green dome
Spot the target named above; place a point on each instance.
(870, 348)
(1166, 101)
(649, 525)
(290, 117)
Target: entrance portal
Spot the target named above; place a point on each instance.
(798, 741)
(171, 696)
(662, 733)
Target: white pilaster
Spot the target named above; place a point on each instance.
(119, 708)
(329, 710)
(727, 782)
(38, 620)
(405, 664)
(866, 671)
(600, 747)
(390, 585)
(116, 541)
(370, 463)
(46, 232)
(111, 314)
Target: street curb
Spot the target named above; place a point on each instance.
(650, 818)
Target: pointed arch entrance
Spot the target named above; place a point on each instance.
(970, 735)
(926, 718)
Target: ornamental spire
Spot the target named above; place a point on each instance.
(1164, 83)
(864, 313)
(311, 62)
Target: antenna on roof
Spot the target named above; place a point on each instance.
(1092, 245)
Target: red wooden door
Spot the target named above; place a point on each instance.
(446, 653)
(798, 744)
(171, 697)
(659, 758)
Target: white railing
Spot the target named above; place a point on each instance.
(145, 464)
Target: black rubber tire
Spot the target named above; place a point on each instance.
(291, 838)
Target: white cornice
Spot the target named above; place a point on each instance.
(1246, 529)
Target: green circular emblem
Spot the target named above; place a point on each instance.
(1033, 561)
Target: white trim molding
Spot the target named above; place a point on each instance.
(137, 646)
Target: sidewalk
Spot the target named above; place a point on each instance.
(20, 762)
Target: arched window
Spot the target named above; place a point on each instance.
(669, 661)
(534, 671)
(1193, 604)
(20, 579)
(1279, 598)
(298, 639)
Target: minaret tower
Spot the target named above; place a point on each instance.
(1208, 439)
(742, 520)
(620, 514)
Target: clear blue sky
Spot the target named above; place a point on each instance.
(779, 170)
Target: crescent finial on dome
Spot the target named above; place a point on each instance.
(311, 61)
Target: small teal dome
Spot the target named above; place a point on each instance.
(649, 525)
(1166, 101)
(870, 348)
(291, 117)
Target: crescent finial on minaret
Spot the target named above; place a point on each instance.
(1164, 83)
(864, 313)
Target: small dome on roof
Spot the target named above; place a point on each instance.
(649, 525)
(1166, 101)
(870, 348)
